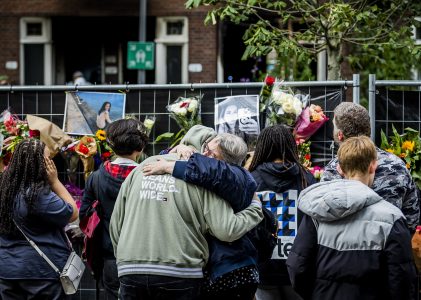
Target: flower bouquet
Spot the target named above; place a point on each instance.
(266, 92)
(284, 107)
(87, 148)
(309, 121)
(317, 172)
(407, 146)
(304, 153)
(12, 132)
(186, 112)
(149, 123)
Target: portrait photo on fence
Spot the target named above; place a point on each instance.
(87, 112)
(238, 115)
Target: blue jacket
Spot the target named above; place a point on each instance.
(237, 187)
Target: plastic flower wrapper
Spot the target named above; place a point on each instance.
(407, 146)
(309, 121)
(149, 123)
(87, 148)
(186, 112)
(284, 107)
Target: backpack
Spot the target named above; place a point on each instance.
(265, 236)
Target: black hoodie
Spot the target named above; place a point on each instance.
(278, 178)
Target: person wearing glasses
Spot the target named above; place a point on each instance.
(231, 271)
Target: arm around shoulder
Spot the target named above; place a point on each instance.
(224, 224)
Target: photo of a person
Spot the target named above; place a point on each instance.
(238, 115)
(103, 117)
(87, 112)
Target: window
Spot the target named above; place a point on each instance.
(171, 50)
(33, 29)
(175, 28)
(35, 51)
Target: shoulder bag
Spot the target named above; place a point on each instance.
(72, 271)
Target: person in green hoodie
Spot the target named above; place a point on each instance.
(158, 230)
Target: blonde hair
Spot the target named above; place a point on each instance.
(356, 154)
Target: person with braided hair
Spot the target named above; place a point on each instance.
(32, 197)
(280, 177)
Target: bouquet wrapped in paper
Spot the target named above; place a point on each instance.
(309, 121)
(284, 107)
(87, 148)
(186, 112)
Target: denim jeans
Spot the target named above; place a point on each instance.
(110, 279)
(31, 289)
(133, 287)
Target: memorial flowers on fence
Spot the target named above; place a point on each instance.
(284, 106)
(12, 132)
(149, 123)
(309, 121)
(407, 146)
(186, 112)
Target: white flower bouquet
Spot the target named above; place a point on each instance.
(284, 107)
(186, 112)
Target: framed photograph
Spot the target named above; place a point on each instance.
(238, 115)
(86, 112)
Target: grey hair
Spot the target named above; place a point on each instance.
(352, 119)
(233, 148)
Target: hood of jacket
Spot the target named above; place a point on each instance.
(278, 177)
(337, 199)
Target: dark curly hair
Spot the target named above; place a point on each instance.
(126, 136)
(277, 142)
(26, 175)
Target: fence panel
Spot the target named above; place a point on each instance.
(394, 102)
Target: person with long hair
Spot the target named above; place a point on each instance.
(103, 117)
(276, 168)
(33, 198)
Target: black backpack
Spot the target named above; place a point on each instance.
(265, 236)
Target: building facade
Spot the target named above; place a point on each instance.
(46, 41)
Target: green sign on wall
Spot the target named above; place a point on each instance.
(140, 55)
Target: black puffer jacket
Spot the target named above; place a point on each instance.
(278, 178)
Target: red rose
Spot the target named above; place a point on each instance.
(270, 80)
(34, 133)
(105, 155)
(307, 156)
(184, 104)
(83, 149)
(89, 140)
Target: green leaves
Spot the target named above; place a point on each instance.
(371, 30)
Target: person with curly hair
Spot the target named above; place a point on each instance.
(33, 198)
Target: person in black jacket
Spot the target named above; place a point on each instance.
(352, 244)
(127, 139)
(280, 178)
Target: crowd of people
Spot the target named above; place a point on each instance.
(183, 225)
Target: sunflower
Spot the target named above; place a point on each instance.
(100, 134)
(408, 145)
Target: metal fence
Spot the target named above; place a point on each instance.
(143, 100)
(393, 102)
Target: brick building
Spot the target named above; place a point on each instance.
(45, 41)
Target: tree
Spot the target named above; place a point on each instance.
(303, 28)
